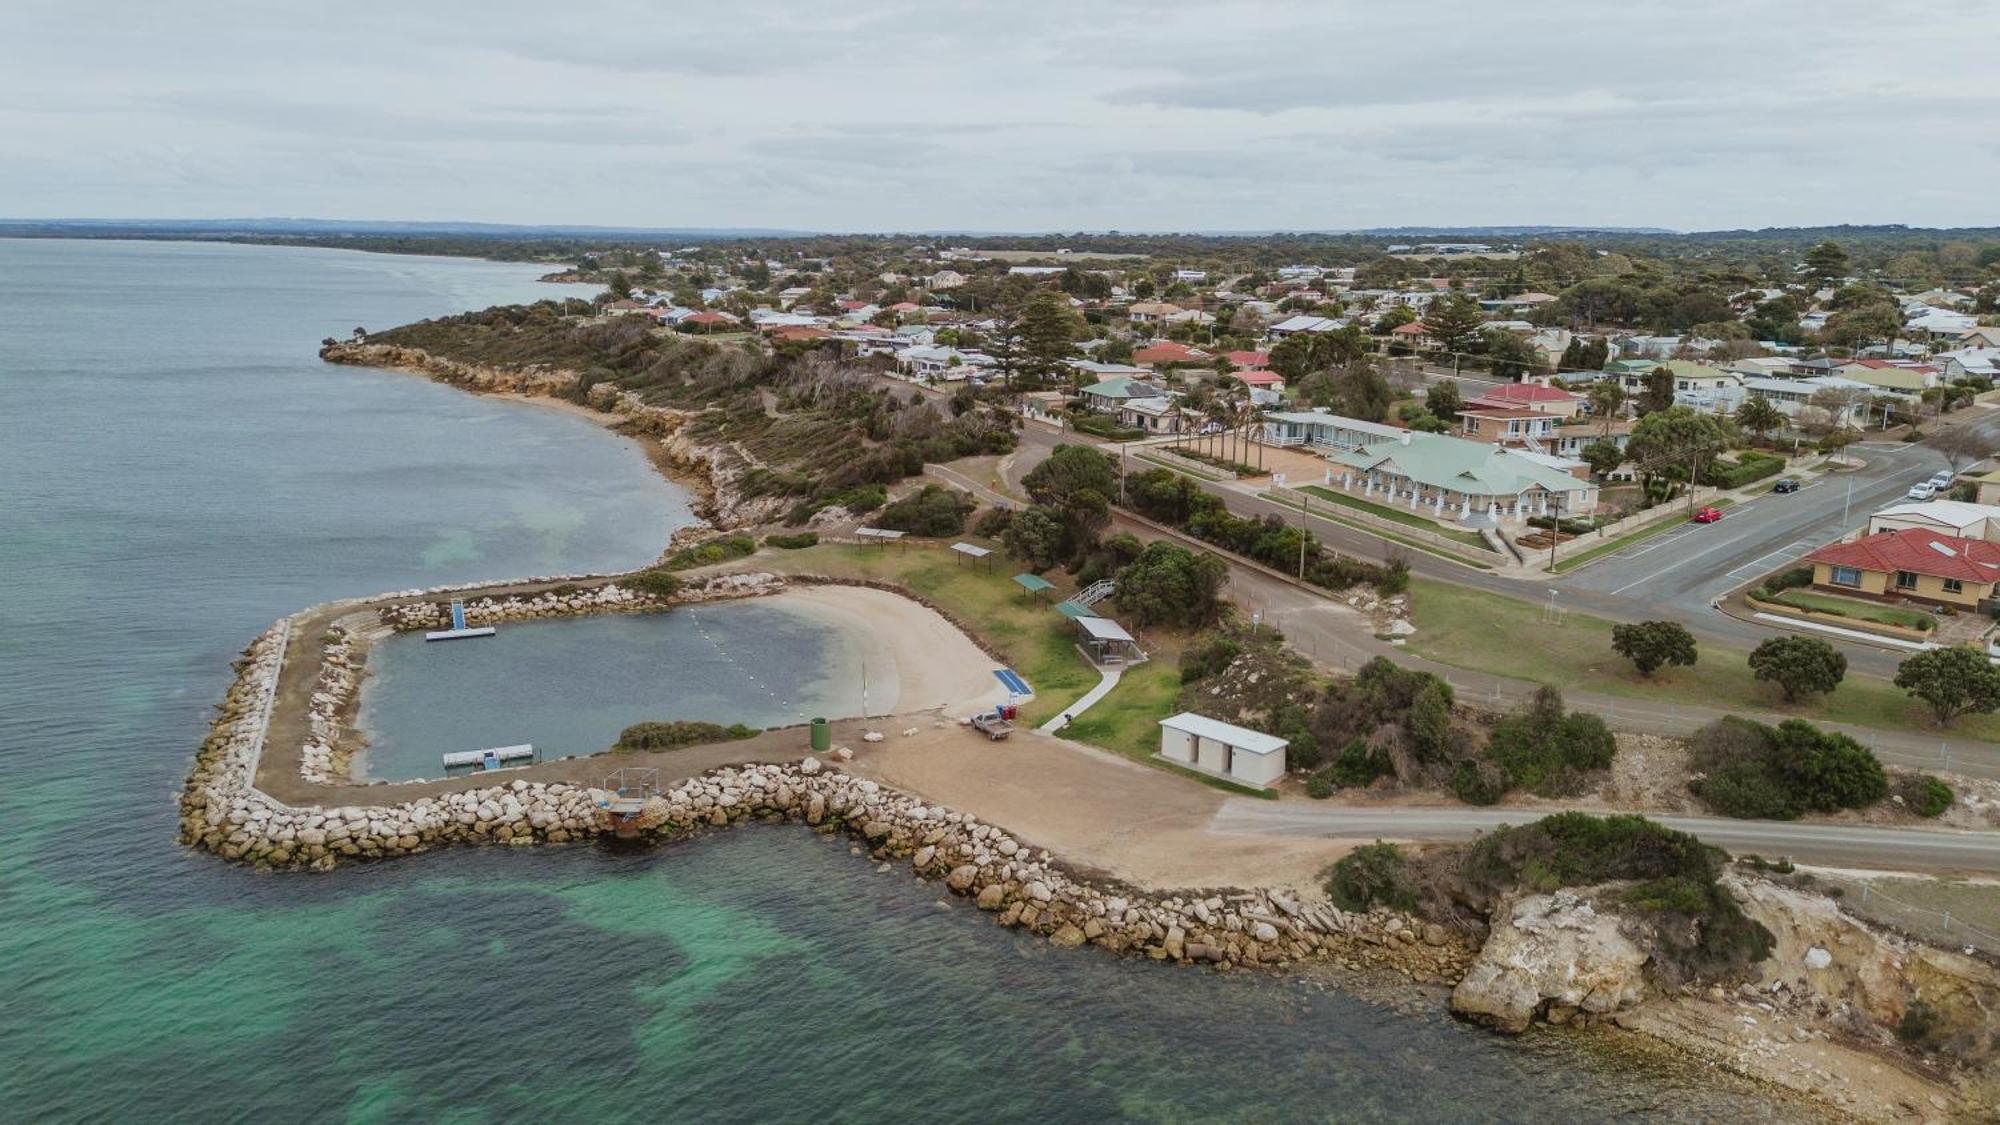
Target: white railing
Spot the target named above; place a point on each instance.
(1095, 592)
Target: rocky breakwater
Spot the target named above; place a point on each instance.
(716, 469)
(570, 600)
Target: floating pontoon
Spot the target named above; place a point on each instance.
(489, 759)
(458, 628)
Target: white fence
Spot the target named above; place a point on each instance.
(1862, 899)
(1339, 512)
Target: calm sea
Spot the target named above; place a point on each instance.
(176, 470)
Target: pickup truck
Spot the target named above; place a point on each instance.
(992, 726)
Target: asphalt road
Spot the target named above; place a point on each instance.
(1835, 845)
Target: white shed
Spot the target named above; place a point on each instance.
(1223, 749)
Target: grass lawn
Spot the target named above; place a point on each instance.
(1504, 636)
(1407, 519)
(1127, 721)
(1857, 609)
(1612, 546)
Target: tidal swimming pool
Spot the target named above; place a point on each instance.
(569, 686)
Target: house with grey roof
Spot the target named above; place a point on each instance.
(1470, 481)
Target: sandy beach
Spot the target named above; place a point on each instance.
(917, 660)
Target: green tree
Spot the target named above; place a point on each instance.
(931, 511)
(1035, 536)
(1510, 354)
(1171, 585)
(1070, 469)
(1048, 329)
(1585, 353)
(1827, 262)
(1454, 321)
(1800, 666)
(1361, 392)
(1677, 439)
(1951, 681)
(1443, 400)
(1396, 317)
(1607, 398)
(1758, 416)
(1658, 393)
(1651, 645)
(1603, 457)
(618, 285)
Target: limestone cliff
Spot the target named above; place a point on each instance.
(1550, 955)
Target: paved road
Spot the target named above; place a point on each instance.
(1839, 845)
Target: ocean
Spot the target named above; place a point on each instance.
(177, 470)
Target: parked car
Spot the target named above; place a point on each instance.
(1786, 485)
(1942, 479)
(1922, 490)
(1708, 515)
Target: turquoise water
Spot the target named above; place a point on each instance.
(568, 687)
(176, 470)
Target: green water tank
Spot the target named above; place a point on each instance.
(822, 736)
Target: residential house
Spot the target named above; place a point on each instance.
(1971, 363)
(1985, 336)
(1099, 372)
(1914, 563)
(1412, 334)
(1468, 480)
(1888, 375)
(709, 320)
(1166, 353)
(1940, 324)
(1291, 326)
(1155, 414)
(945, 279)
(1152, 312)
(1509, 426)
(1529, 396)
(1262, 380)
(1989, 486)
(1111, 394)
(1630, 373)
(1249, 361)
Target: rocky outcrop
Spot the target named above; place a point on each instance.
(717, 469)
(1550, 955)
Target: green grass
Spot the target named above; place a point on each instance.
(1613, 546)
(1503, 636)
(1856, 609)
(1407, 519)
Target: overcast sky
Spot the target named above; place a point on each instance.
(1018, 115)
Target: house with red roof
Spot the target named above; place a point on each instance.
(1914, 563)
(708, 320)
(1538, 397)
(1249, 361)
(1261, 380)
(1166, 353)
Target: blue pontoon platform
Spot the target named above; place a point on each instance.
(458, 628)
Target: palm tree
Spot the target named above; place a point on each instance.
(1758, 416)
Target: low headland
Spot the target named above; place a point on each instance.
(1737, 967)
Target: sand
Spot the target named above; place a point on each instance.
(917, 660)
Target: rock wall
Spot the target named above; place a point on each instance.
(717, 469)
(222, 811)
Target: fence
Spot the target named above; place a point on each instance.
(1395, 529)
(1188, 465)
(1864, 900)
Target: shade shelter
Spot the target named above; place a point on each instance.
(881, 535)
(970, 551)
(1223, 749)
(1106, 641)
(1033, 583)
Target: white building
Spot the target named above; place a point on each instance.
(1223, 749)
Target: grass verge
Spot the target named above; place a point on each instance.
(1627, 540)
(1407, 519)
(1486, 632)
(1856, 609)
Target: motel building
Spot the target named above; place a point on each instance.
(1223, 750)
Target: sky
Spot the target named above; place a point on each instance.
(869, 115)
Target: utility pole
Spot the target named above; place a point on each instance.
(1305, 535)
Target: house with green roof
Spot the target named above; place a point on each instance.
(1470, 481)
(1108, 396)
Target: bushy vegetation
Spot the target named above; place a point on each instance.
(708, 552)
(1800, 666)
(1651, 644)
(794, 542)
(811, 427)
(932, 511)
(1749, 770)
(1951, 682)
(1167, 584)
(1926, 796)
(1372, 874)
(1175, 500)
(1701, 931)
(658, 582)
(1750, 466)
(1547, 750)
(642, 737)
(1790, 579)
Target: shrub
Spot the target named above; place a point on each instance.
(708, 552)
(659, 582)
(1927, 796)
(797, 542)
(1356, 766)
(1171, 585)
(1754, 771)
(1917, 1024)
(992, 523)
(1749, 466)
(1793, 579)
(1371, 874)
(641, 737)
(1206, 657)
(1545, 749)
(1800, 666)
(1952, 681)
(1651, 644)
(932, 511)
(1478, 783)
(1320, 785)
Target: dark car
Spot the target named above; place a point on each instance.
(1786, 485)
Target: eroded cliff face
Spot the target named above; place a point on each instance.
(715, 470)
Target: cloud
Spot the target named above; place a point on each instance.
(1036, 114)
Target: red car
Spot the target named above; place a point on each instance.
(1708, 515)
